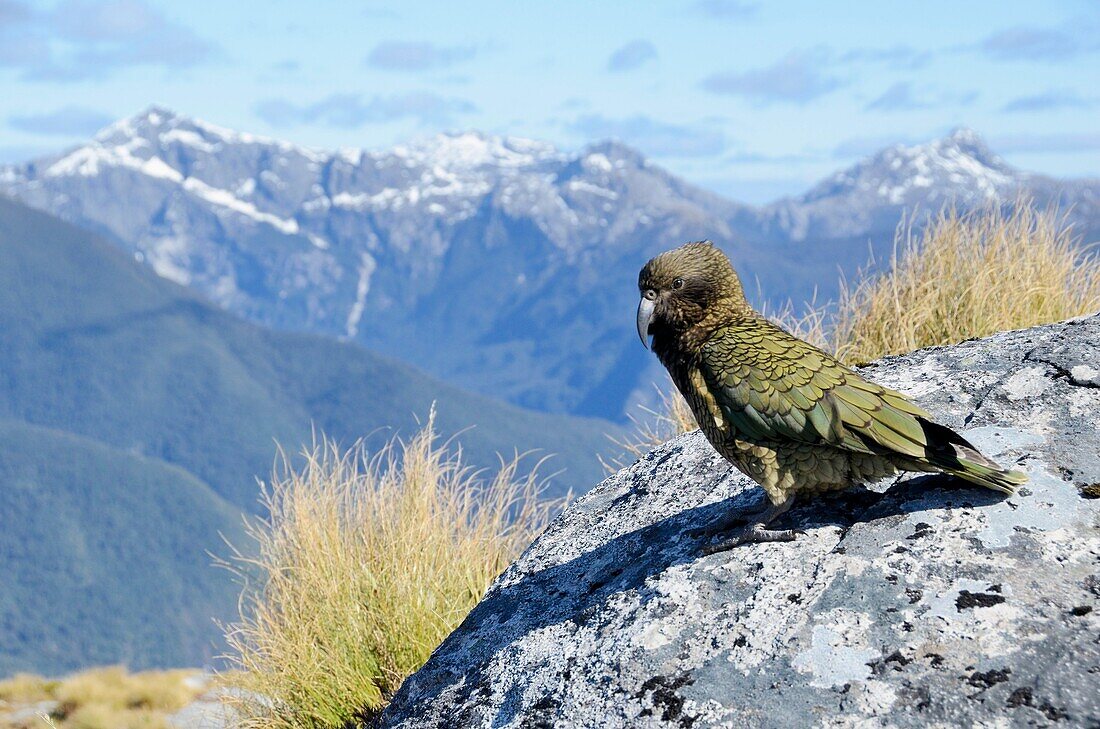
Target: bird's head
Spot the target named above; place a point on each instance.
(680, 287)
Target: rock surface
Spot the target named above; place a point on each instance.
(917, 601)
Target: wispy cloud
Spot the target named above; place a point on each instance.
(417, 56)
(14, 154)
(798, 77)
(1030, 44)
(69, 121)
(19, 49)
(84, 39)
(631, 55)
(753, 158)
(1049, 101)
(898, 97)
(725, 9)
(575, 103)
(1048, 143)
(13, 11)
(902, 96)
(900, 57)
(863, 146)
(654, 137)
(350, 110)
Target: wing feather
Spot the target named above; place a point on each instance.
(772, 386)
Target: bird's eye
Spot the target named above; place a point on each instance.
(678, 283)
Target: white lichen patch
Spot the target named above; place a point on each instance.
(997, 440)
(1084, 402)
(765, 621)
(834, 658)
(875, 697)
(678, 596)
(1049, 503)
(929, 376)
(977, 613)
(1084, 373)
(1027, 383)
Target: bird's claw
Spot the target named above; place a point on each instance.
(752, 534)
(719, 527)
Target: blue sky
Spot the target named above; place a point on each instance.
(750, 99)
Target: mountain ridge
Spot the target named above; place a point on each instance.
(135, 420)
(501, 264)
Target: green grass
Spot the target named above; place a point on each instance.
(364, 565)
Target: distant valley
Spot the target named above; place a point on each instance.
(135, 419)
(502, 265)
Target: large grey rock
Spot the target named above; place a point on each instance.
(918, 602)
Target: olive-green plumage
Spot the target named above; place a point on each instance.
(786, 413)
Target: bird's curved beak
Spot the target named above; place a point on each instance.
(645, 316)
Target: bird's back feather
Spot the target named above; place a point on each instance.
(773, 387)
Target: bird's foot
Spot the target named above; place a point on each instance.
(753, 533)
(722, 525)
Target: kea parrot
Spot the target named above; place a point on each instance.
(787, 414)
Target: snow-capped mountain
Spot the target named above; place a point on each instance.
(503, 264)
(958, 169)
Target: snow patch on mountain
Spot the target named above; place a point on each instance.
(485, 258)
(362, 288)
(959, 162)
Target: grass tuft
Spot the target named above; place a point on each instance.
(670, 417)
(101, 698)
(967, 275)
(364, 564)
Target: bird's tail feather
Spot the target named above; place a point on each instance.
(953, 454)
(997, 479)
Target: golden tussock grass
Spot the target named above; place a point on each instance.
(101, 698)
(967, 275)
(669, 418)
(364, 564)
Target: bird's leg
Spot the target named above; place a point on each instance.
(727, 520)
(757, 530)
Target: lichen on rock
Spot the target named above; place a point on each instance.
(916, 601)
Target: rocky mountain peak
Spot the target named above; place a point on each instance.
(616, 152)
(956, 165)
(473, 149)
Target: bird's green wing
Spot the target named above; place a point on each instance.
(771, 385)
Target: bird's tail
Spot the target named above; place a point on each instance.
(953, 454)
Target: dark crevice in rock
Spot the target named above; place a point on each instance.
(967, 600)
(1060, 372)
(1025, 696)
(979, 401)
(923, 529)
(985, 679)
(664, 696)
(895, 661)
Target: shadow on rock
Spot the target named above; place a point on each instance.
(578, 590)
